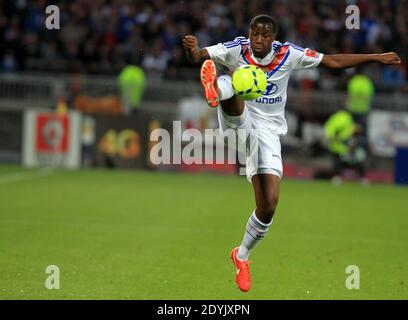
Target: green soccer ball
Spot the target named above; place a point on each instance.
(249, 82)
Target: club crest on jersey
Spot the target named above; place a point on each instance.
(311, 53)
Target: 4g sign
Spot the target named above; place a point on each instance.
(121, 141)
(124, 143)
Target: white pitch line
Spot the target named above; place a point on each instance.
(25, 175)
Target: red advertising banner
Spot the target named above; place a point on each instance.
(52, 133)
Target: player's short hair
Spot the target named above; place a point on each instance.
(265, 19)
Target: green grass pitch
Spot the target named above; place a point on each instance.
(146, 235)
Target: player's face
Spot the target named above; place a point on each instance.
(261, 37)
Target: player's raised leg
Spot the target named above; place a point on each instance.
(266, 188)
(218, 90)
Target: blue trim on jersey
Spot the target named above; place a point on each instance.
(280, 64)
(232, 45)
(294, 46)
(276, 46)
(236, 42)
(230, 42)
(228, 46)
(298, 49)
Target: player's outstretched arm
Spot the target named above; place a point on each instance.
(338, 61)
(193, 52)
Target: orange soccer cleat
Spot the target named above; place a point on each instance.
(208, 76)
(243, 278)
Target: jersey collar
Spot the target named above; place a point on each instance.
(276, 45)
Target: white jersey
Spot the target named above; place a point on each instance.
(269, 109)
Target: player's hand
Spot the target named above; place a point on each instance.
(190, 43)
(390, 58)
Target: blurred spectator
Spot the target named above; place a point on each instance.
(9, 62)
(360, 90)
(155, 61)
(132, 81)
(393, 77)
(346, 145)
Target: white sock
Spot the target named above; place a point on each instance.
(225, 87)
(254, 233)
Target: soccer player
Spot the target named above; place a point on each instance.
(265, 114)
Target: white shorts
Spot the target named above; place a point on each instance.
(265, 157)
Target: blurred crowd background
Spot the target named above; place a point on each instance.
(116, 70)
(101, 37)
